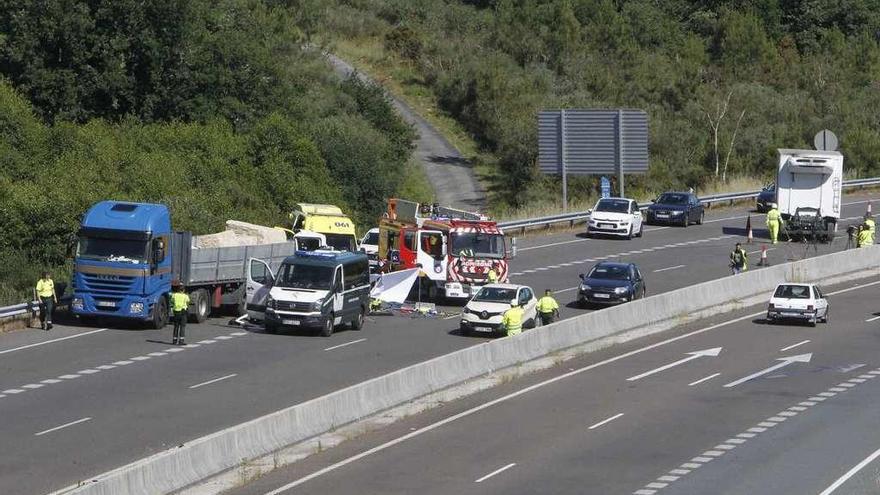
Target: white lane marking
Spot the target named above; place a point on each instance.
(794, 345)
(736, 441)
(50, 381)
(691, 465)
(512, 395)
(32, 386)
(605, 421)
(88, 372)
(778, 419)
(191, 346)
(215, 380)
(53, 341)
(644, 492)
(767, 424)
(2, 396)
(713, 453)
(566, 290)
(156, 354)
(797, 408)
(857, 380)
(701, 380)
(849, 474)
(722, 446)
(50, 430)
(657, 485)
(746, 435)
(837, 389)
(528, 271)
(700, 459)
(140, 358)
(68, 377)
(681, 472)
(493, 473)
(223, 337)
(122, 363)
(345, 344)
(668, 478)
(757, 429)
(206, 341)
(676, 267)
(238, 334)
(175, 349)
(828, 394)
(872, 319)
(105, 367)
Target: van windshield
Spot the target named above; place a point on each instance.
(341, 242)
(305, 277)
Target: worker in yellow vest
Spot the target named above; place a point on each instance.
(866, 235)
(870, 223)
(548, 308)
(492, 276)
(45, 294)
(774, 222)
(512, 320)
(179, 305)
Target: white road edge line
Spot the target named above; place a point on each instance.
(52, 341)
(849, 474)
(869, 320)
(605, 421)
(701, 380)
(50, 430)
(215, 380)
(669, 268)
(794, 345)
(513, 395)
(345, 344)
(493, 473)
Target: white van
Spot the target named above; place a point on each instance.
(313, 289)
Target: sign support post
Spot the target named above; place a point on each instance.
(619, 138)
(562, 161)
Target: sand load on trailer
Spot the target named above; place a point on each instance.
(240, 234)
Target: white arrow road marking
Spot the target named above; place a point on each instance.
(692, 355)
(801, 358)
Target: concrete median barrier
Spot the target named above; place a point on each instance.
(201, 458)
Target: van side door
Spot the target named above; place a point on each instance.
(337, 293)
(260, 279)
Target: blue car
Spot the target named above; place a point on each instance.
(678, 208)
(765, 198)
(611, 283)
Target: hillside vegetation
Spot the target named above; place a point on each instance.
(724, 82)
(211, 107)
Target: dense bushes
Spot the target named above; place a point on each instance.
(212, 108)
(783, 70)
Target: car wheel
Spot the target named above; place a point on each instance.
(641, 230)
(327, 327)
(630, 234)
(687, 219)
(825, 317)
(358, 322)
(814, 320)
(464, 331)
(702, 217)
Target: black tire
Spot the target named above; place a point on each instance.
(327, 327)
(201, 308)
(702, 217)
(687, 220)
(241, 307)
(464, 331)
(89, 321)
(270, 327)
(160, 314)
(825, 317)
(358, 322)
(631, 233)
(641, 230)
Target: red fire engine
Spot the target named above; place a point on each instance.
(455, 248)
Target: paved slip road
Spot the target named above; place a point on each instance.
(102, 398)
(587, 426)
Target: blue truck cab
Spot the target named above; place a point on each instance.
(123, 266)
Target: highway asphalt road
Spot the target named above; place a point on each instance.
(646, 418)
(100, 398)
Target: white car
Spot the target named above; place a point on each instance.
(616, 216)
(483, 313)
(803, 302)
(370, 246)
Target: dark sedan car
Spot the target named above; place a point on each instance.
(765, 197)
(611, 283)
(680, 208)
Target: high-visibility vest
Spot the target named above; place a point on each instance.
(45, 288)
(547, 305)
(739, 257)
(512, 320)
(179, 301)
(870, 223)
(866, 237)
(492, 276)
(774, 216)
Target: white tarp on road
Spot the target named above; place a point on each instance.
(395, 286)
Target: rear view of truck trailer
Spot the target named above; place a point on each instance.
(809, 193)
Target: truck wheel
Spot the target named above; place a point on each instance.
(327, 328)
(199, 300)
(160, 314)
(358, 322)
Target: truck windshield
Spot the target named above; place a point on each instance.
(478, 245)
(305, 277)
(119, 250)
(341, 242)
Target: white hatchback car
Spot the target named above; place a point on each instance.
(616, 216)
(483, 313)
(803, 302)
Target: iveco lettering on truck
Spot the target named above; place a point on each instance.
(455, 249)
(809, 187)
(322, 226)
(127, 257)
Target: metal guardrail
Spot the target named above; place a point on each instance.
(582, 216)
(547, 221)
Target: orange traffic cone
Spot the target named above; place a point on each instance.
(869, 208)
(749, 229)
(764, 261)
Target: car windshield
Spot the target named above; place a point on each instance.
(119, 250)
(792, 292)
(495, 294)
(341, 242)
(478, 245)
(609, 273)
(305, 277)
(372, 238)
(672, 199)
(613, 205)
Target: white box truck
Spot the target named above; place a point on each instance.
(809, 193)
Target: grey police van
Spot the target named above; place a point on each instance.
(320, 289)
